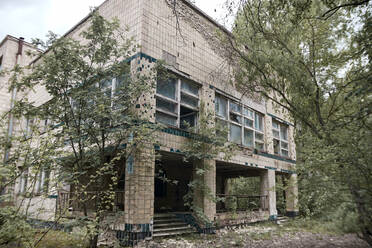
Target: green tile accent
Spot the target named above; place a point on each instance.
(277, 157)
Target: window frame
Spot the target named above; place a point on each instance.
(43, 178)
(179, 91)
(280, 138)
(243, 114)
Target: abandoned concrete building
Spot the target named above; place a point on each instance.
(264, 134)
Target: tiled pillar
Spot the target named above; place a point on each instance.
(205, 191)
(139, 194)
(291, 195)
(269, 134)
(268, 189)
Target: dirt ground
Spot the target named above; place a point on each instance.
(260, 236)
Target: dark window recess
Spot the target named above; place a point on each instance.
(235, 118)
(1, 61)
(121, 182)
(187, 117)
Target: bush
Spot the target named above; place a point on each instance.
(14, 230)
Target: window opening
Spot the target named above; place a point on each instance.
(280, 138)
(177, 102)
(245, 125)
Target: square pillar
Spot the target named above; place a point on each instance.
(291, 195)
(268, 189)
(205, 189)
(139, 194)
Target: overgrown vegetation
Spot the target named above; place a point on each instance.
(85, 134)
(312, 59)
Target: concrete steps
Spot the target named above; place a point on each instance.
(281, 220)
(169, 225)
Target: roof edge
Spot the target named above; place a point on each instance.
(205, 15)
(187, 2)
(11, 37)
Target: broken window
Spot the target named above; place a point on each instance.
(245, 125)
(280, 135)
(166, 106)
(166, 119)
(221, 107)
(276, 146)
(187, 117)
(177, 102)
(167, 88)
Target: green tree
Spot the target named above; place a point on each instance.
(312, 58)
(93, 123)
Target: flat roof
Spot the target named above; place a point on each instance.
(187, 2)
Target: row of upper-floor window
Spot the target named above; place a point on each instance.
(177, 104)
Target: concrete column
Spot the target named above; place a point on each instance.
(269, 134)
(291, 195)
(268, 189)
(139, 193)
(205, 191)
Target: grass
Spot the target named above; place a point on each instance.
(58, 239)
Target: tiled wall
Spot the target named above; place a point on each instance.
(198, 55)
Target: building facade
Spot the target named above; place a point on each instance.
(263, 133)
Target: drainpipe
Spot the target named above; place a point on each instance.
(13, 97)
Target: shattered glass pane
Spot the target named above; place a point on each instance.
(284, 145)
(165, 119)
(189, 100)
(221, 107)
(167, 88)
(235, 107)
(166, 106)
(248, 138)
(276, 146)
(235, 118)
(235, 134)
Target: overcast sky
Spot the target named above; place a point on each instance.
(34, 18)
